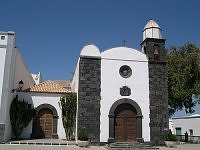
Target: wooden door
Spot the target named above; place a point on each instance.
(45, 122)
(125, 125)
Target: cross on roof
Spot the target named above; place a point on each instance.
(124, 42)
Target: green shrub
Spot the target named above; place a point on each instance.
(83, 135)
(168, 136)
(21, 114)
(68, 104)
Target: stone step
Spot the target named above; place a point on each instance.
(130, 146)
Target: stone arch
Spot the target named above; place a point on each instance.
(35, 129)
(52, 108)
(138, 118)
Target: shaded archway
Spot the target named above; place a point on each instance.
(45, 122)
(138, 116)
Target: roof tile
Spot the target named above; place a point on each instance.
(52, 86)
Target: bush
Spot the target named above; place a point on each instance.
(168, 136)
(21, 114)
(83, 135)
(68, 107)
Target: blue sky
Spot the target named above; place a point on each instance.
(50, 34)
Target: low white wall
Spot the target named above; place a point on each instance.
(43, 98)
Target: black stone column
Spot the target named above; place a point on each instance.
(139, 128)
(89, 96)
(159, 118)
(55, 123)
(111, 128)
(158, 89)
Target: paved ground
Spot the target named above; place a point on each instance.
(58, 144)
(183, 147)
(73, 147)
(44, 147)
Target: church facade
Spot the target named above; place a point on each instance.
(122, 92)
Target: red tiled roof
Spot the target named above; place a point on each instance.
(52, 86)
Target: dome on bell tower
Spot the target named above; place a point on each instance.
(152, 30)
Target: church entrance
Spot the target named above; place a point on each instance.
(45, 122)
(125, 123)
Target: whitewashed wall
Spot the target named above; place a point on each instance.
(20, 73)
(186, 123)
(75, 80)
(2, 64)
(111, 82)
(43, 98)
(14, 71)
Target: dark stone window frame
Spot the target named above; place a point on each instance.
(125, 71)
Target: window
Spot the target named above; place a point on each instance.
(156, 52)
(2, 37)
(178, 131)
(191, 132)
(125, 71)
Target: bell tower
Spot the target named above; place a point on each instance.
(154, 47)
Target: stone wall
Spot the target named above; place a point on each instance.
(158, 89)
(159, 119)
(89, 97)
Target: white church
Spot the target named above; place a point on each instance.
(122, 92)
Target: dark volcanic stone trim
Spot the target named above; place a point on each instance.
(89, 96)
(153, 40)
(112, 118)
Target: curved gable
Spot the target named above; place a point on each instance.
(90, 51)
(124, 53)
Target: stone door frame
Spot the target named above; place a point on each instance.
(55, 119)
(138, 118)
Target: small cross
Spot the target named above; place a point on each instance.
(124, 42)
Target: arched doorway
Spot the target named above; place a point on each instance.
(45, 122)
(125, 123)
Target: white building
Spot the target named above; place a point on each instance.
(47, 123)
(189, 124)
(12, 71)
(122, 92)
(43, 96)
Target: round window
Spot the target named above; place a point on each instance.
(125, 71)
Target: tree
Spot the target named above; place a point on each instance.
(68, 107)
(21, 114)
(183, 66)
